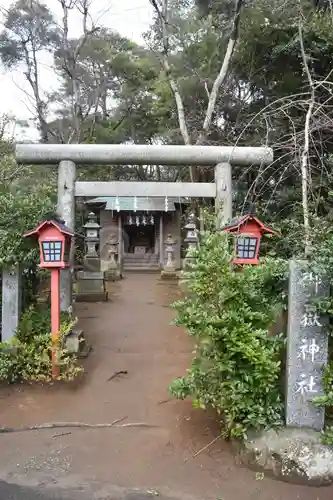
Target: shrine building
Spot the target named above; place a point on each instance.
(141, 225)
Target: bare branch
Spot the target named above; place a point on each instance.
(163, 17)
(161, 9)
(220, 79)
(305, 151)
(70, 61)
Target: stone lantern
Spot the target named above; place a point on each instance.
(91, 239)
(170, 266)
(191, 239)
(113, 272)
(91, 283)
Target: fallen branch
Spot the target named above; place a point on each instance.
(116, 374)
(81, 425)
(207, 446)
(61, 434)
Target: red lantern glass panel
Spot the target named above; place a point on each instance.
(52, 251)
(246, 247)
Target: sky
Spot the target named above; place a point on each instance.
(129, 17)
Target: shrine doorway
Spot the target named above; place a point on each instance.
(141, 239)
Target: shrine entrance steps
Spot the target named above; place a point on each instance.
(148, 262)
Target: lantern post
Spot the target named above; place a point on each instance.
(54, 244)
(55, 318)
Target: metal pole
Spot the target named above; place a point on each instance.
(66, 210)
(55, 319)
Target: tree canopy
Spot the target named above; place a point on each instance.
(233, 72)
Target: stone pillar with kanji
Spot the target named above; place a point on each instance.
(307, 347)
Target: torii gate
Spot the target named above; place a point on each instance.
(67, 156)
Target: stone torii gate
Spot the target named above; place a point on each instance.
(67, 156)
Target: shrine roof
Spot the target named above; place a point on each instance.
(143, 203)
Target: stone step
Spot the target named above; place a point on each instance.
(139, 270)
(141, 262)
(141, 266)
(146, 256)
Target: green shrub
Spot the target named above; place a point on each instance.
(36, 321)
(236, 367)
(28, 356)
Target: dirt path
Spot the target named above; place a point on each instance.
(131, 333)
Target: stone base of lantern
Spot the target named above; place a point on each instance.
(75, 343)
(112, 275)
(91, 287)
(169, 274)
(92, 264)
(92, 297)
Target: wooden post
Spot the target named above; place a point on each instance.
(55, 319)
(66, 209)
(223, 200)
(161, 242)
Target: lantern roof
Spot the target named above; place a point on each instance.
(170, 240)
(58, 223)
(92, 222)
(191, 222)
(235, 224)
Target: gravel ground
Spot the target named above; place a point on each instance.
(177, 454)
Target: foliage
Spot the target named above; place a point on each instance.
(123, 96)
(18, 214)
(35, 320)
(25, 195)
(236, 367)
(28, 29)
(28, 356)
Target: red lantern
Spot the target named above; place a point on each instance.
(248, 230)
(54, 244)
